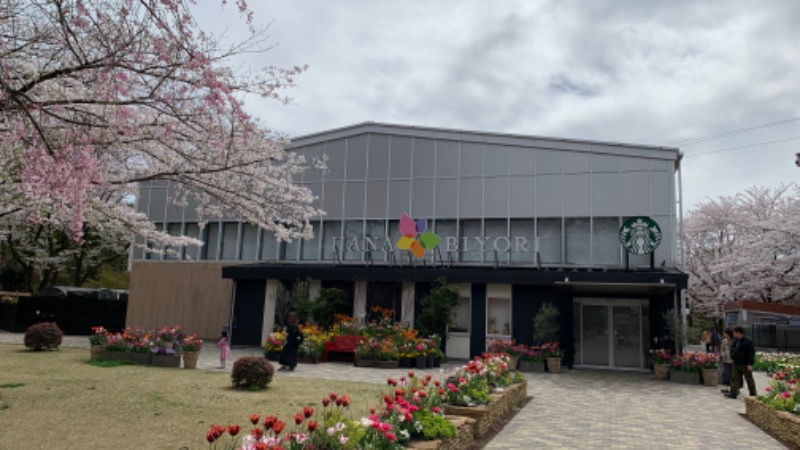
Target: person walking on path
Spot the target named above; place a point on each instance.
(743, 354)
(725, 359)
(224, 346)
(294, 337)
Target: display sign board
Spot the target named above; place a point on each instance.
(640, 235)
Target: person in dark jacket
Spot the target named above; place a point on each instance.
(743, 354)
(294, 337)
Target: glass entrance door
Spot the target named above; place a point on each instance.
(610, 333)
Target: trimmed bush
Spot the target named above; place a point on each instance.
(253, 372)
(43, 336)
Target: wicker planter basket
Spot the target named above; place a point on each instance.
(190, 360)
(661, 371)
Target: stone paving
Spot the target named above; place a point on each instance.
(576, 409)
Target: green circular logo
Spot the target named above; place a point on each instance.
(640, 235)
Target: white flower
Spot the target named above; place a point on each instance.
(366, 422)
(343, 439)
(418, 426)
(405, 434)
(340, 426)
(332, 431)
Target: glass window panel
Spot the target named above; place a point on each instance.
(331, 230)
(311, 246)
(495, 160)
(498, 319)
(269, 246)
(192, 251)
(472, 159)
(422, 199)
(332, 201)
(495, 197)
(212, 239)
(400, 166)
(353, 240)
(424, 158)
(605, 241)
(497, 233)
(376, 233)
(376, 198)
(577, 240)
(522, 241)
(291, 250)
(461, 317)
(549, 232)
(138, 252)
(313, 152)
(174, 229)
(446, 159)
(448, 231)
(471, 200)
(249, 242)
(378, 156)
(470, 249)
(595, 351)
(399, 198)
(230, 237)
(336, 151)
(446, 197)
(357, 157)
(354, 200)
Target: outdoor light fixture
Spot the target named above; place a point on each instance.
(662, 281)
(566, 279)
(797, 159)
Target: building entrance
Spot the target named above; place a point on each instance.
(611, 333)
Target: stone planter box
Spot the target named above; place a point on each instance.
(375, 363)
(137, 358)
(486, 417)
(782, 424)
(530, 366)
(166, 360)
(710, 377)
(462, 440)
(308, 359)
(554, 365)
(661, 371)
(684, 377)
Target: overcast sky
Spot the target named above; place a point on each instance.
(623, 71)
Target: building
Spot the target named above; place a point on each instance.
(518, 221)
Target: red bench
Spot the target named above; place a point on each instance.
(344, 347)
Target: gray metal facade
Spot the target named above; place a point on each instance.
(572, 195)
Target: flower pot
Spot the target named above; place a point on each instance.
(96, 351)
(684, 377)
(554, 365)
(190, 359)
(437, 361)
(531, 366)
(429, 361)
(710, 377)
(272, 355)
(307, 359)
(420, 362)
(138, 358)
(513, 362)
(661, 371)
(404, 362)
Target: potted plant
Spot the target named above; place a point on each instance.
(531, 359)
(97, 342)
(546, 329)
(421, 353)
(661, 362)
(376, 353)
(506, 346)
(708, 365)
(191, 346)
(437, 309)
(684, 369)
(553, 355)
(274, 344)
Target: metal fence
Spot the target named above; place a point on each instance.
(784, 338)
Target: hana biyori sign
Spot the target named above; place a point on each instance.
(640, 235)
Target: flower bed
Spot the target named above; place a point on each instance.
(784, 425)
(162, 347)
(461, 441)
(490, 415)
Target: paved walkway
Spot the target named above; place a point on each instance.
(576, 409)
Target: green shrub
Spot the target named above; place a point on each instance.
(435, 426)
(331, 301)
(252, 372)
(43, 336)
(546, 327)
(437, 309)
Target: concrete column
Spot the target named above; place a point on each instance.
(407, 302)
(314, 288)
(270, 302)
(360, 301)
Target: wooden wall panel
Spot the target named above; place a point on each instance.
(192, 294)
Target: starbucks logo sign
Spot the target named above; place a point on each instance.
(640, 235)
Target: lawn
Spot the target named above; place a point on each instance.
(56, 400)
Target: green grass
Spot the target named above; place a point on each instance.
(11, 385)
(67, 403)
(103, 363)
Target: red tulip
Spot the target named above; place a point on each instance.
(308, 412)
(278, 427)
(312, 425)
(332, 396)
(254, 418)
(233, 430)
(256, 433)
(269, 421)
(410, 374)
(326, 402)
(346, 401)
(299, 418)
(210, 437)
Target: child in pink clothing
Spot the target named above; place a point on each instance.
(224, 349)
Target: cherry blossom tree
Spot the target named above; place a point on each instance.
(98, 96)
(744, 247)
